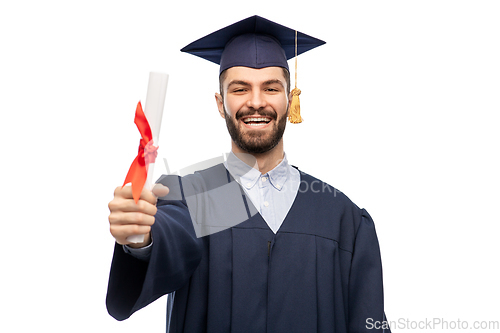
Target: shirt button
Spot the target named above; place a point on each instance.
(264, 179)
(278, 187)
(249, 185)
(266, 203)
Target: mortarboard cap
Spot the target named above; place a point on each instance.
(255, 42)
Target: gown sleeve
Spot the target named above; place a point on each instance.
(175, 254)
(366, 295)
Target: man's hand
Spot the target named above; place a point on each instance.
(127, 218)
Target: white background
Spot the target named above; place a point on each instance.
(401, 114)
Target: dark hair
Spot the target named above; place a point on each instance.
(286, 74)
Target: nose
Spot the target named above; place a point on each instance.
(256, 100)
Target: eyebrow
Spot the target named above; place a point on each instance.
(238, 82)
(269, 82)
(266, 83)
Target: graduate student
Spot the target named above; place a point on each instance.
(252, 244)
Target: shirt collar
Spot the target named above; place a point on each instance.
(279, 175)
(247, 176)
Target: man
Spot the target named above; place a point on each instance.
(303, 259)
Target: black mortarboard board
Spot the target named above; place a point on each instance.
(253, 42)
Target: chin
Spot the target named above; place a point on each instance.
(256, 141)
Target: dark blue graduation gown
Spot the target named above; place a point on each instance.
(321, 272)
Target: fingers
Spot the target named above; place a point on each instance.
(160, 190)
(121, 232)
(128, 218)
(123, 224)
(120, 204)
(126, 193)
(120, 217)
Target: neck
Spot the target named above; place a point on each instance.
(264, 162)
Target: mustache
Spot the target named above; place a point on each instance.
(261, 112)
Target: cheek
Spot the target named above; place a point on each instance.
(281, 106)
(232, 106)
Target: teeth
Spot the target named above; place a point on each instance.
(248, 120)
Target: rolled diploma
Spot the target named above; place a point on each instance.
(155, 101)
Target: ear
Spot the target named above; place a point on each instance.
(220, 104)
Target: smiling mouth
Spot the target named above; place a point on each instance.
(256, 121)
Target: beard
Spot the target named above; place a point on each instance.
(255, 142)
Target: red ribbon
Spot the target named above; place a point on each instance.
(138, 172)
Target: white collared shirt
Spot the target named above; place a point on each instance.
(272, 193)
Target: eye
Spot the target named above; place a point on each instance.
(272, 90)
(239, 90)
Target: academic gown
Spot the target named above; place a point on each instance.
(321, 272)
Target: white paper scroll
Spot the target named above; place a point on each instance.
(155, 101)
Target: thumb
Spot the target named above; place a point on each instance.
(160, 190)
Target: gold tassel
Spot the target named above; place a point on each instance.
(294, 115)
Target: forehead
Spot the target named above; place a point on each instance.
(254, 75)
